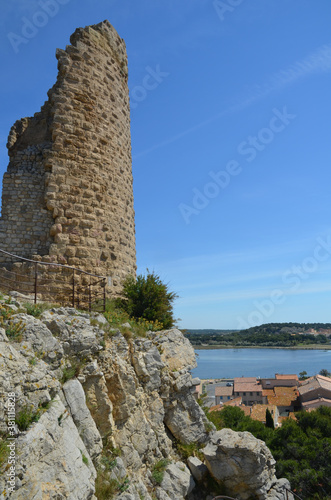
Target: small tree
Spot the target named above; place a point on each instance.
(269, 421)
(325, 372)
(148, 298)
(303, 375)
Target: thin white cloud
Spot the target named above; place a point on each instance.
(17, 8)
(201, 262)
(235, 296)
(316, 62)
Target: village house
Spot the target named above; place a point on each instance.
(249, 389)
(315, 392)
(280, 380)
(258, 412)
(223, 394)
(284, 398)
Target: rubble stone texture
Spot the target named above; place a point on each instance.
(67, 193)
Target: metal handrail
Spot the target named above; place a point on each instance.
(290, 491)
(52, 264)
(223, 497)
(80, 294)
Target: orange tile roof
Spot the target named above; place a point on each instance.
(244, 379)
(317, 402)
(216, 408)
(223, 391)
(247, 387)
(246, 410)
(233, 402)
(258, 412)
(284, 396)
(280, 376)
(316, 382)
(268, 392)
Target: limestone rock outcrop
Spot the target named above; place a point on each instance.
(107, 410)
(53, 461)
(243, 464)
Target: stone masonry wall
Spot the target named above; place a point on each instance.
(67, 193)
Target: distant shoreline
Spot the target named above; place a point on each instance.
(312, 347)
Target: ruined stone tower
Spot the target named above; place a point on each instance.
(67, 193)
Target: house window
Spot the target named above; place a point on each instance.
(244, 393)
(251, 394)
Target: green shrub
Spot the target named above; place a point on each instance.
(71, 371)
(105, 488)
(26, 416)
(190, 450)
(14, 330)
(148, 298)
(4, 450)
(158, 470)
(36, 310)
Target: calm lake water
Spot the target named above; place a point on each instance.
(264, 363)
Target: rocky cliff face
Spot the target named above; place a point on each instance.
(104, 416)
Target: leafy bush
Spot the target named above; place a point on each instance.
(4, 450)
(190, 450)
(71, 371)
(13, 330)
(148, 298)
(26, 416)
(105, 488)
(158, 470)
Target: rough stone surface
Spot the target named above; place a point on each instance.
(51, 462)
(40, 339)
(278, 492)
(75, 398)
(32, 384)
(67, 193)
(241, 462)
(133, 395)
(198, 469)
(177, 481)
(74, 329)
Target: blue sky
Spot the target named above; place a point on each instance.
(231, 148)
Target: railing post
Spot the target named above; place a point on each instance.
(35, 282)
(89, 297)
(73, 288)
(104, 295)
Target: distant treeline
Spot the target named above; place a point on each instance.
(272, 334)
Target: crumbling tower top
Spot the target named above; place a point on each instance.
(67, 193)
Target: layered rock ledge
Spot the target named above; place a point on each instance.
(115, 409)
